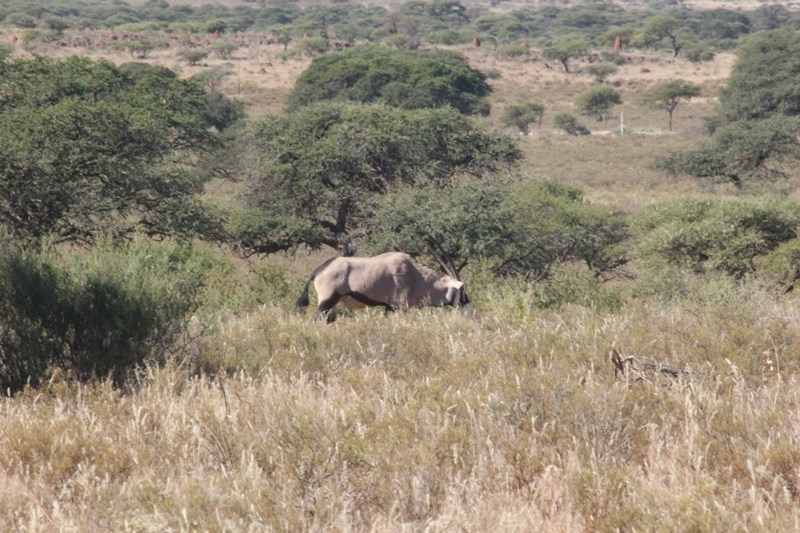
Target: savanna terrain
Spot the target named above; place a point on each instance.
(652, 400)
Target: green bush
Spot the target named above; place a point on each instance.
(521, 229)
(408, 79)
(523, 115)
(724, 235)
(449, 37)
(569, 124)
(698, 54)
(568, 285)
(193, 56)
(514, 50)
(93, 315)
(553, 224)
(781, 267)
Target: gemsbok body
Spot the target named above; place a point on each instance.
(392, 280)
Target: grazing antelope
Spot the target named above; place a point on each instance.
(392, 280)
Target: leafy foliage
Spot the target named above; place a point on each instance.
(554, 224)
(95, 315)
(405, 79)
(601, 71)
(660, 28)
(521, 229)
(741, 153)
(724, 235)
(597, 100)
(455, 226)
(668, 95)
(763, 80)
(318, 165)
(90, 148)
(523, 115)
(565, 48)
(569, 124)
(757, 123)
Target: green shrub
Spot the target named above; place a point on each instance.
(723, 235)
(698, 54)
(306, 46)
(781, 266)
(449, 37)
(93, 315)
(568, 285)
(601, 71)
(193, 56)
(408, 79)
(523, 115)
(514, 50)
(570, 124)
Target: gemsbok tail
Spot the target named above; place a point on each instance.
(303, 301)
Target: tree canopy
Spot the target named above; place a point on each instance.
(597, 100)
(312, 170)
(757, 122)
(400, 78)
(668, 95)
(90, 148)
(520, 228)
(565, 48)
(763, 81)
(522, 115)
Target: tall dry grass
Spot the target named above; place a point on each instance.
(504, 418)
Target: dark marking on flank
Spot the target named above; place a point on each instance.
(366, 300)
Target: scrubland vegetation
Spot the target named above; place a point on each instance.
(630, 358)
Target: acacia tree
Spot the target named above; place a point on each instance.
(523, 115)
(668, 95)
(763, 81)
(758, 119)
(88, 149)
(598, 100)
(601, 71)
(519, 228)
(742, 152)
(312, 172)
(407, 79)
(564, 48)
(660, 27)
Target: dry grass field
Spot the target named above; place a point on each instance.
(504, 418)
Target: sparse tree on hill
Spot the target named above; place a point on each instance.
(224, 48)
(598, 100)
(668, 95)
(193, 56)
(523, 115)
(660, 27)
(601, 71)
(569, 124)
(564, 48)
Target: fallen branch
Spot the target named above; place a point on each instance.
(642, 369)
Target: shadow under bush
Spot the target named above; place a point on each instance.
(94, 315)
